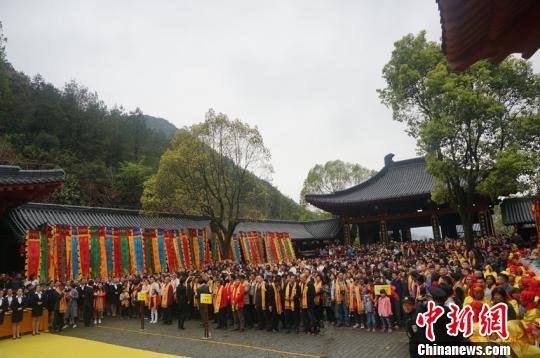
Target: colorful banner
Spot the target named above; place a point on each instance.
(63, 252)
(33, 253)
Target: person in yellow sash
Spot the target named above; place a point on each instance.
(275, 308)
(167, 299)
(237, 302)
(260, 301)
(319, 308)
(307, 304)
(356, 306)
(340, 293)
(220, 302)
(291, 303)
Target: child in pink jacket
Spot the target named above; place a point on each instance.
(384, 308)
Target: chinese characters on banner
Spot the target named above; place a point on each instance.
(490, 320)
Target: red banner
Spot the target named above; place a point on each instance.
(117, 254)
(33, 253)
(169, 249)
(84, 250)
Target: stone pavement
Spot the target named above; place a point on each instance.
(334, 343)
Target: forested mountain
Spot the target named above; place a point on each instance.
(107, 153)
(160, 125)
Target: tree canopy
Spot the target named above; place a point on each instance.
(211, 169)
(475, 127)
(333, 176)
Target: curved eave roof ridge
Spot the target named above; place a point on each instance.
(373, 179)
(277, 221)
(103, 210)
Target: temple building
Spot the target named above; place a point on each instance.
(492, 29)
(18, 214)
(393, 201)
(18, 186)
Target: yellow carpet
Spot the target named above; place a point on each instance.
(55, 346)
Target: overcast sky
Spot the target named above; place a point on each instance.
(304, 72)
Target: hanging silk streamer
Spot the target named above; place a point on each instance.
(290, 246)
(177, 250)
(33, 252)
(63, 234)
(139, 252)
(250, 243)
(131, 250)
(273, 246)
(44, 256)
(148, 239)
(109, 240)
(194, 248)
(51, 257)
(202, 253)
(235, 249)
(68, 264)
(243, 247)
(260, 244)
(84, 251)
(103, 257)
(253, 238)
(207, 251)
(94, 251)
(117, 253)
(280, 248)
(125, 252)
(269, 254)
(161, 249)
(186, 252)
(74, 253)
(169, 250)
(216, 253)
(155, 252)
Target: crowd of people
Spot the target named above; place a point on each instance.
(337, 288)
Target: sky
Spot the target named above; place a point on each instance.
(304, 72)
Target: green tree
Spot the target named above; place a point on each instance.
(129, 181)
(333, 176)
(209, 170)
(468, 124)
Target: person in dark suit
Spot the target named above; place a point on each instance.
(36, 301)
(59, 299)
(307, 304)
(181, 299)
(2, 306)
(80, 289)
(88, 303)
(17, 306)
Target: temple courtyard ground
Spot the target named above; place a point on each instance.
(123, 338)
(169, 340)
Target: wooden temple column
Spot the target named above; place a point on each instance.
(435, 226)
(383, 232)
(346, 234)
(486, 223)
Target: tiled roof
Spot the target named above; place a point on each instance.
(320, 229)
(399, 179)
(33, 215)
(479, 29)
(517, 211)
(11, 175)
